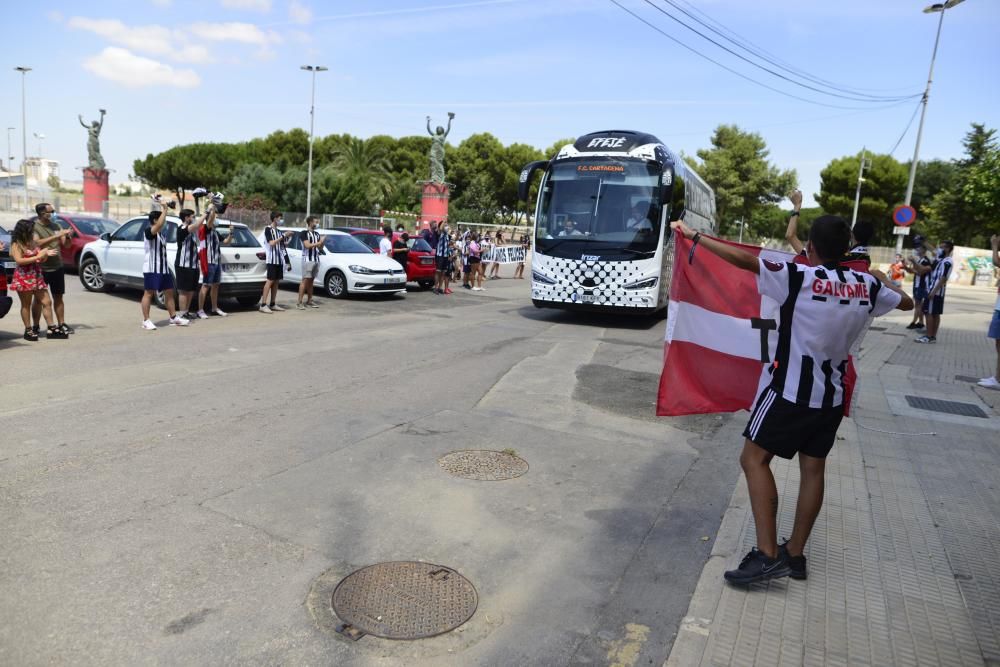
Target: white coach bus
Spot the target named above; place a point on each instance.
(602, 222)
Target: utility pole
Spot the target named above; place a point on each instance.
(312, 115)
(861, 179)
(940, 7)
(24, 138)
(10, 160)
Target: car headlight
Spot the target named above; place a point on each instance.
(649, 283)
(542, 278)
(357, 268)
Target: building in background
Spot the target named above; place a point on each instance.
(39, 169)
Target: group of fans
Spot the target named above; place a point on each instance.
(465, 256)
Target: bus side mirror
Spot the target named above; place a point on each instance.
(524, 182)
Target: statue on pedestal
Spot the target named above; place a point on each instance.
(95, 161)
(437, 148)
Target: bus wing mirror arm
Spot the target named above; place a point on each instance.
(524, 182)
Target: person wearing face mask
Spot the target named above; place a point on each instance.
(274, 240)
(49, 236)
(934, 303)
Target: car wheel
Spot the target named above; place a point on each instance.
(336, 284)
(92, 276)
(76, 263)
(248, 301)
(426, 284)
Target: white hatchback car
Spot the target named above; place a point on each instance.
(346, 265)
(116, 259)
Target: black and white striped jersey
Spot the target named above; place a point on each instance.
(187, 248)
(940, 273)
(155, 246)
(310, 254)
(823, 310)
(276, 252)
(213, 250)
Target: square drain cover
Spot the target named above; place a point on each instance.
(947, 407)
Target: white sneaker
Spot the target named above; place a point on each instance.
(265, 309)
(312, 304)
(477, 289)
(220, 312)
(148, 325)
(276, 308)
(202, 315)
(178, 321)
(990, 382)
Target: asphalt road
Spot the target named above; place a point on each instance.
(174, 497)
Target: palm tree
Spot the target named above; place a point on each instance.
(359, 159)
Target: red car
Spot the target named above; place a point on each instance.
(85, 228)
(420, 260)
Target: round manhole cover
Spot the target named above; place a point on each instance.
(405, 600)
(484, 464)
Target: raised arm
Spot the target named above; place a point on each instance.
(792, 231)
(448, 129)
(80, 116)
(160, 221)
(429, 126)
(100, 123)
(741, 259)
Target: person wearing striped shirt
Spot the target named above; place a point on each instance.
(210, 259)
(312, 241)
(824, 308)
(274, 246)
(186, 260)
(156, 270)
(936, 287)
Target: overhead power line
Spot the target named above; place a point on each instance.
(735, 38)
(741, 74)
(912, 116)
(772, 72)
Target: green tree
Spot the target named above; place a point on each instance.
(882, 190)
(745, 182)
(366, 166)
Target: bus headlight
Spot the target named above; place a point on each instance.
(542, 278)
(649, 283)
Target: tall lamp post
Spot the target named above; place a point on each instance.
(10, 162)
(939, 7)
(24, 138)
(312, 116)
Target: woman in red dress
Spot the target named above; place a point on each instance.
(28, 280)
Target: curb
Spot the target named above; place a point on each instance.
(693, 635)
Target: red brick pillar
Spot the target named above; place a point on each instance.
(95, 189)
(434, 203)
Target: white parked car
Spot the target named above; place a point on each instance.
(346, 265)
(116, 259)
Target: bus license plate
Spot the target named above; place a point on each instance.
(235, 268)
(588, 298)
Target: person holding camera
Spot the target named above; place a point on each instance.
(920, 266)
(311, 244)
(277, 258)
(210, 260)
(49, 236)
(155, 268)
(186, 260)
(29, 279)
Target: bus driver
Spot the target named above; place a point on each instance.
(639, 222)
(569, 228)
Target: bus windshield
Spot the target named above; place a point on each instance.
(599, 205)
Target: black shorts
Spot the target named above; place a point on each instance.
(786, 429)
(474, 260)
(275, 272)
(444, 264)
(932, 306)
(56, 280)
(187, 278)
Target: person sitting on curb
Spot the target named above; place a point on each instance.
(800, 409)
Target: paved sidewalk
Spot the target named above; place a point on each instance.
(903, 558)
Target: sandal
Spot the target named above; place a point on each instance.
(56, 333)
(66, 329)
(29, 334)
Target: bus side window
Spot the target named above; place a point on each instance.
(677, 202)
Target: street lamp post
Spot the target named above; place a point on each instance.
(940, 7)
(312, 116)
(861, 179)
(24, 138)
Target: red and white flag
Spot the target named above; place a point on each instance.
(721, 334)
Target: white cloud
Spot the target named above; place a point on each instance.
(245, 33)
(252, 5)
(299, 13)
(124, 67)
(153, 39)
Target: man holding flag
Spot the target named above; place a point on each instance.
(818, 312)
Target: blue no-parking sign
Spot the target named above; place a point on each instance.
(904, 215)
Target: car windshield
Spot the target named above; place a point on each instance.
(600, 205)
(242, 237)
(420, 245)
(342, 243)
(95, 226)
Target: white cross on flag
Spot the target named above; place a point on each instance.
(721, 334)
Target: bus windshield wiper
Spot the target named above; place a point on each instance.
(643, 253)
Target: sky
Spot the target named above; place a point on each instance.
(172, 72)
